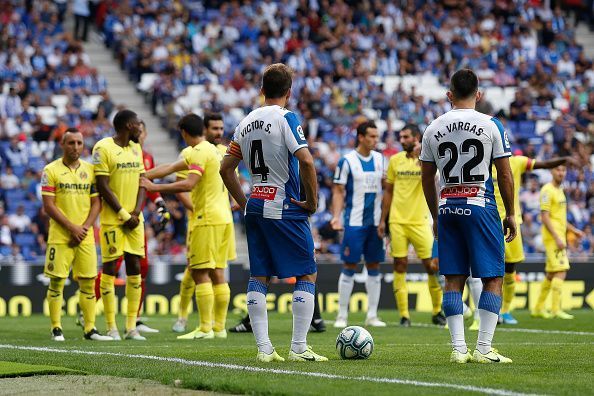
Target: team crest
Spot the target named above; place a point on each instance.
(112, 250)
(83, 175)
(50, 266)
(134, 151)
(506, 140)
(300, 132)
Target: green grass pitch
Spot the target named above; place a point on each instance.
(550, 357)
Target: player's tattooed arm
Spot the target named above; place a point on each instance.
(231, 181)
(428, 172)
(505, 180)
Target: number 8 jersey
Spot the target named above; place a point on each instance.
(463, 144)
(267, 140)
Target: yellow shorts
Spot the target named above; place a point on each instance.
(117, 239)
(59, 258)
(514, 250)
(209, 246)
(231, 252)
(420, 236)
(557, 260)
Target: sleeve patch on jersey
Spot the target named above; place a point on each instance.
(48, 189)
(235, 150)
(530, 164)
(97, 156)
(503, 133)
(196, 168)
(295, 128)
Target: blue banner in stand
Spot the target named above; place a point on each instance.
(24, 287)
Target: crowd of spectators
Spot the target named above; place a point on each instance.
(208, 56)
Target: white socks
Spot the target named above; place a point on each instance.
(489, 306)
(476, 288)
(256, 305)
(373, 285)
(345, 288)
(456, 326)
(303, 308)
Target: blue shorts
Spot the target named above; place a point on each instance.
(470, 237)
(362, 241)
(282, 248)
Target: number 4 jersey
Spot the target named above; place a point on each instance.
(463, 144)
(267, 140)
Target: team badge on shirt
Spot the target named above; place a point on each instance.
(96, 157)
(44, 180)
(83, 175)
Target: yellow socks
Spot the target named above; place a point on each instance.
(186, 291)
(222, 296)
(509, 291)
(205, 302)
(87, 301)
(55, 298)
(107, 287)
(544, 293)
(401, 293)
(436, 293)
(133, 294)
(556, 286)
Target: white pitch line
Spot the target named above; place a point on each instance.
(187, 362)
(500, 343)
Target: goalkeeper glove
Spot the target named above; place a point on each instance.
(163, 215)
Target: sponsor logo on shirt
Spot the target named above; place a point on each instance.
(264, 192)
(459, 192)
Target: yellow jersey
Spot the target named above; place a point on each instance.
(408, 201)
(210, 198)
(552, 200)
(123, 165)
(184, 175)
(519, 165)
(72, 189)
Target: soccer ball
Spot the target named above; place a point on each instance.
(354, 342)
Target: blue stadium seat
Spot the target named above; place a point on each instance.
(36, 163)
(15, 195)
(19, 170)
(25, 239)
(526, 130)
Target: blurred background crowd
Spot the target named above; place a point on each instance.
(353, 60)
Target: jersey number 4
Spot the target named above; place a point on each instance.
(257, 164)
(467, 177)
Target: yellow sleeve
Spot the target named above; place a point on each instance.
(546, 197)
(48, 183)
(391, 174)
(101, 160)
(142, 169)
(195, 160)
(523, 164)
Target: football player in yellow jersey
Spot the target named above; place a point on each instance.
(118, 167)
(409, 223)
(553, 210)
(72, 203)
(514, 250)
(213, 133)
(208, 250)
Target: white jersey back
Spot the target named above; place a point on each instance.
(463, 144)
(266, 140)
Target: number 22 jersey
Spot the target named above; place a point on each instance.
(463, 144)
(267, 140)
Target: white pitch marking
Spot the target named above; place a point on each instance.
(470, 388)
(519, 330)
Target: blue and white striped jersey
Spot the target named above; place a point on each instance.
(463, 144)
(267, 139)
(362, 178)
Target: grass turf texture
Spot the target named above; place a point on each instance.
(12, 369)
(544, 363)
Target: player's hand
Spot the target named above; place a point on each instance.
(235, 207)
(163, 215)
(147, 184)
(132, 222)
(509, 228)
(78, 233)
(309, 206)
(560, 244)
(336, 225)
(381, 229)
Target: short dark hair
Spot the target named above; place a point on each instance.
(192, 124)
(208, 117)
(276, 81)
(464, 84)
(122, 118)
(362, 129)
(414, 129)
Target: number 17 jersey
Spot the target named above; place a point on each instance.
(267, 140)
(463, 144)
